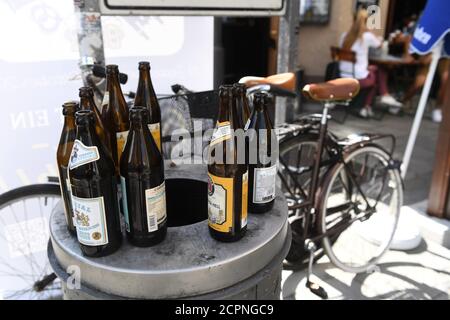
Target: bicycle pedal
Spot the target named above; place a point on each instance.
(317, 290)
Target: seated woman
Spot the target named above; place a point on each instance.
(419, 81)
(359, 39)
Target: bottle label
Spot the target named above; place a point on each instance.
(155, 199)
(121, 140)
(264, 184)
(69, 191)
(125, 203)
(220, 202)
(155, 130)
(244, 199)
(91, 220)
(82, 154)
(221, 133)
(105, 100)
(247, 124)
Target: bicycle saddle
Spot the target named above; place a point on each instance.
(283, 80)
(342, 89)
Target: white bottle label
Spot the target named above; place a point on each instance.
(82, 154)
(221, 133)
(264, 184)
(91, 220)
(156, 206)
(69, 190)
(123, 186)
(105, 100)
(247, 124)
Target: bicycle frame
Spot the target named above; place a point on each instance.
(311, 204)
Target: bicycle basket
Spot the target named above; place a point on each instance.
(192, 114)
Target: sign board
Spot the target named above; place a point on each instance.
(193, 7)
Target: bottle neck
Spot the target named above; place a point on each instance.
(69, 121)
(87, 103)
(113, 84)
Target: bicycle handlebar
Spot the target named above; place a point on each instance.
(100, 72)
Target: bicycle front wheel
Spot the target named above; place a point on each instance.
(361, 203)
(24, 234)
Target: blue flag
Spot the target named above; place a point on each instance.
(433, 27)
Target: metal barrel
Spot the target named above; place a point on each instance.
(188, 264)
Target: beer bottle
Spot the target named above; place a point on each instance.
(115, 114)
(262, 169)
(243, 107)
(143, 186)
(86, 95)
(146, 97)
(227, 183)
(68, 135)
(94, 191)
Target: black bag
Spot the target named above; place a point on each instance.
(333, 71)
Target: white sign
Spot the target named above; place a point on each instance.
(193, 7)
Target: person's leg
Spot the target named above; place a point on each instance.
(382, 79)
(443, 66)
(369, 83)
(419, 81)
(382, 87)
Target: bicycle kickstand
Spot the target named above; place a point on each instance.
(312, 286)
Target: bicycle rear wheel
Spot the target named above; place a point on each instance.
(360, 232)
(294, 172)
(24, 234)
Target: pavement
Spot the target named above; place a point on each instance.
(422, 273)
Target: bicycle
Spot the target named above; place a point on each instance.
(25, 271)
(339, 191)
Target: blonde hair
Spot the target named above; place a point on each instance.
(357, 30)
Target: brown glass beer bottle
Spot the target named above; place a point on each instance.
(94, 191)
(146, 97)
(86, 95)
(115, 114)
(143, 187)
(227, 183)
(262, 167)
(65, 145)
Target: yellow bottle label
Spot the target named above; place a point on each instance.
(244, 199)
(155, 130)
(220, 202)
(121, 140)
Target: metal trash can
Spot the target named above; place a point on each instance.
(188, 264)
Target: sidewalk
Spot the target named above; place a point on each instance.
(423, 273)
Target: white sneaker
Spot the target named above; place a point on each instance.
(370, 112)
(394, 110)
(390, 101)
(436, 115)
(364, 113)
